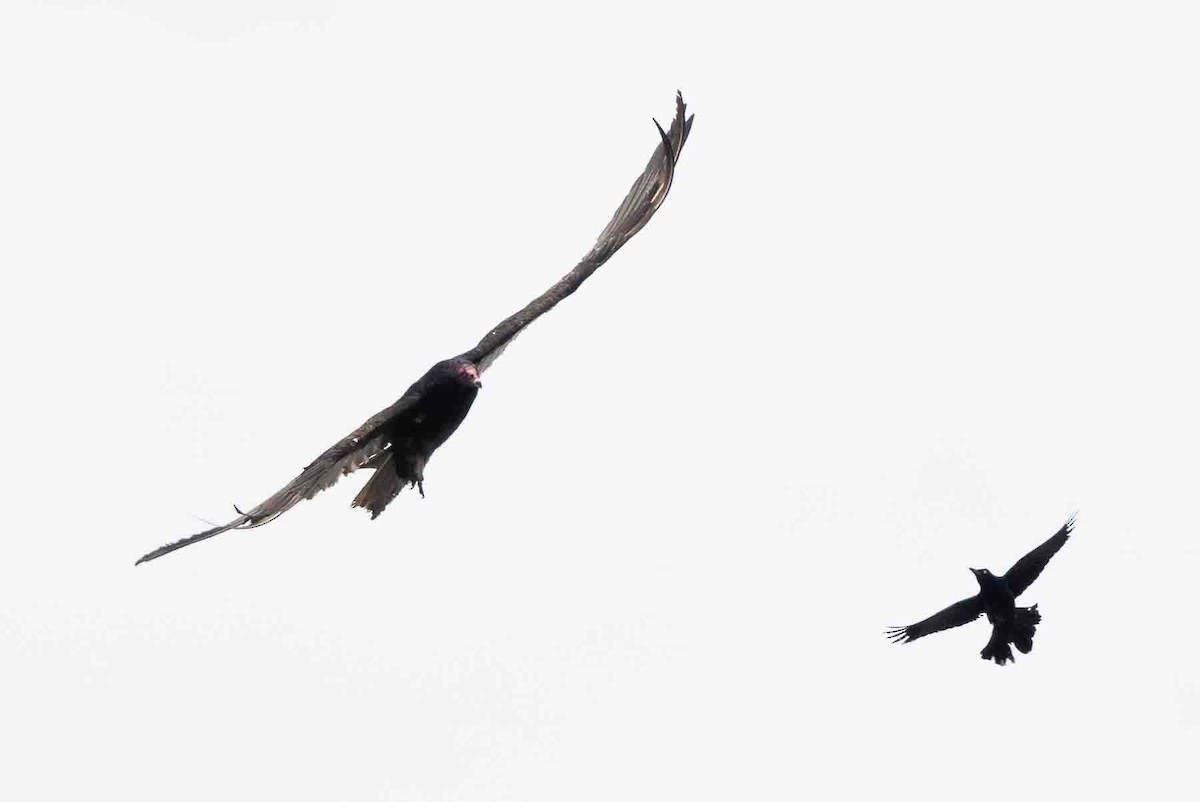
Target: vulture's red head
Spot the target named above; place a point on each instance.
(467, 373)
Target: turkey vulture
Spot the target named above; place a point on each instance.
(997, 598)
(398, 442)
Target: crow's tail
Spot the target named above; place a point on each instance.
(1018, 632)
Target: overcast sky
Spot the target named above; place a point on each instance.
(925, 284)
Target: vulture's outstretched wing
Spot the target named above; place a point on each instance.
(365, 447)
(1029, 567)
(645, 196)
(957, 614)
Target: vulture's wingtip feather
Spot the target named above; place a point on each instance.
(666, 140)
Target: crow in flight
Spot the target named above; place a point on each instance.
(997, 598)
(398, 442)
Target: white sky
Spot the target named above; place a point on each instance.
(925, 284)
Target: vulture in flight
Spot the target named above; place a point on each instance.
(398, 442)
(997, 599)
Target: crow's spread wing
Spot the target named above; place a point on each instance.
(645, 196)
(1029, 567)
(362, 448)
(957, 614)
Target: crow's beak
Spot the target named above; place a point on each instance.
(478, 384)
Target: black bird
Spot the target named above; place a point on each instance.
(398, 442)
(997, 598)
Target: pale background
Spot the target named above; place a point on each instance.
(925, 284)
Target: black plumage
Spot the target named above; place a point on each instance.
(398, 442)
(997, 600)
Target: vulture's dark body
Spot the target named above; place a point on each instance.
(441, 405)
